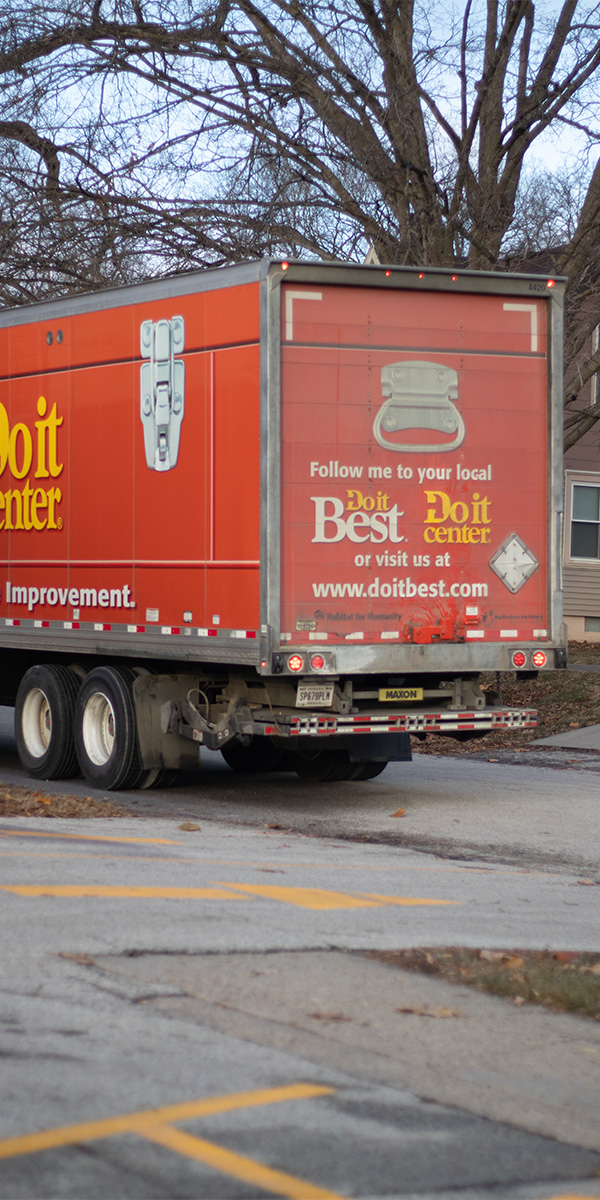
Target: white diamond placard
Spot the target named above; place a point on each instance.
(514, 563)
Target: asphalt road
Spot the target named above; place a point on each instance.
(190, 1013)
(513, 809)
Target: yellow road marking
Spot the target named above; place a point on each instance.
(143, 1122)
(238, 1165)
(72, 855)
(86, 837)
(301, 897)
(108, 891)
(319, 898)
(407, 900)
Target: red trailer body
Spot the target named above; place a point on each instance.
(423, 534)
(330, 494)
(83, 516)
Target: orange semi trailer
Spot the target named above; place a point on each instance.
(288, 511)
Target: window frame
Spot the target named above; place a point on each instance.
(577, 479)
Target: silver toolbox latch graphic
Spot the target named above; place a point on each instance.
(418, 395)
(162, 383)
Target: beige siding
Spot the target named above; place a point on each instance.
(585, 454)
(581, 591)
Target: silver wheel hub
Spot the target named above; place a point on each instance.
(36, 723)
(98, 729)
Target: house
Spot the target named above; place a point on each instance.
(581, 540)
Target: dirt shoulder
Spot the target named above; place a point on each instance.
(564, 700)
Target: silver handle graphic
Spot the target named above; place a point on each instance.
(418, 395)
(162, 386)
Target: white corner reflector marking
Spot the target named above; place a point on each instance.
(533, 313)
(289, 309)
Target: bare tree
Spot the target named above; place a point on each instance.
(155, 135)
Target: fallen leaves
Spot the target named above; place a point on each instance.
(84, 960)
(559, 697)
(511, 961)
(325, 1016)
(23, 802)
(400, 812)
(439, 1011)
(189, 827)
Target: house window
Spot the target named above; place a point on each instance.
(585, 521)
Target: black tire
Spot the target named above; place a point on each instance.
(105, 730)
(259, 755)
(368, 770)
(322, 765)
(161, 778)
(44, 722)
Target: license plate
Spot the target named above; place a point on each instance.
(314, 695)
(400, 695)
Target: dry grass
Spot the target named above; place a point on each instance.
(564, 981)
